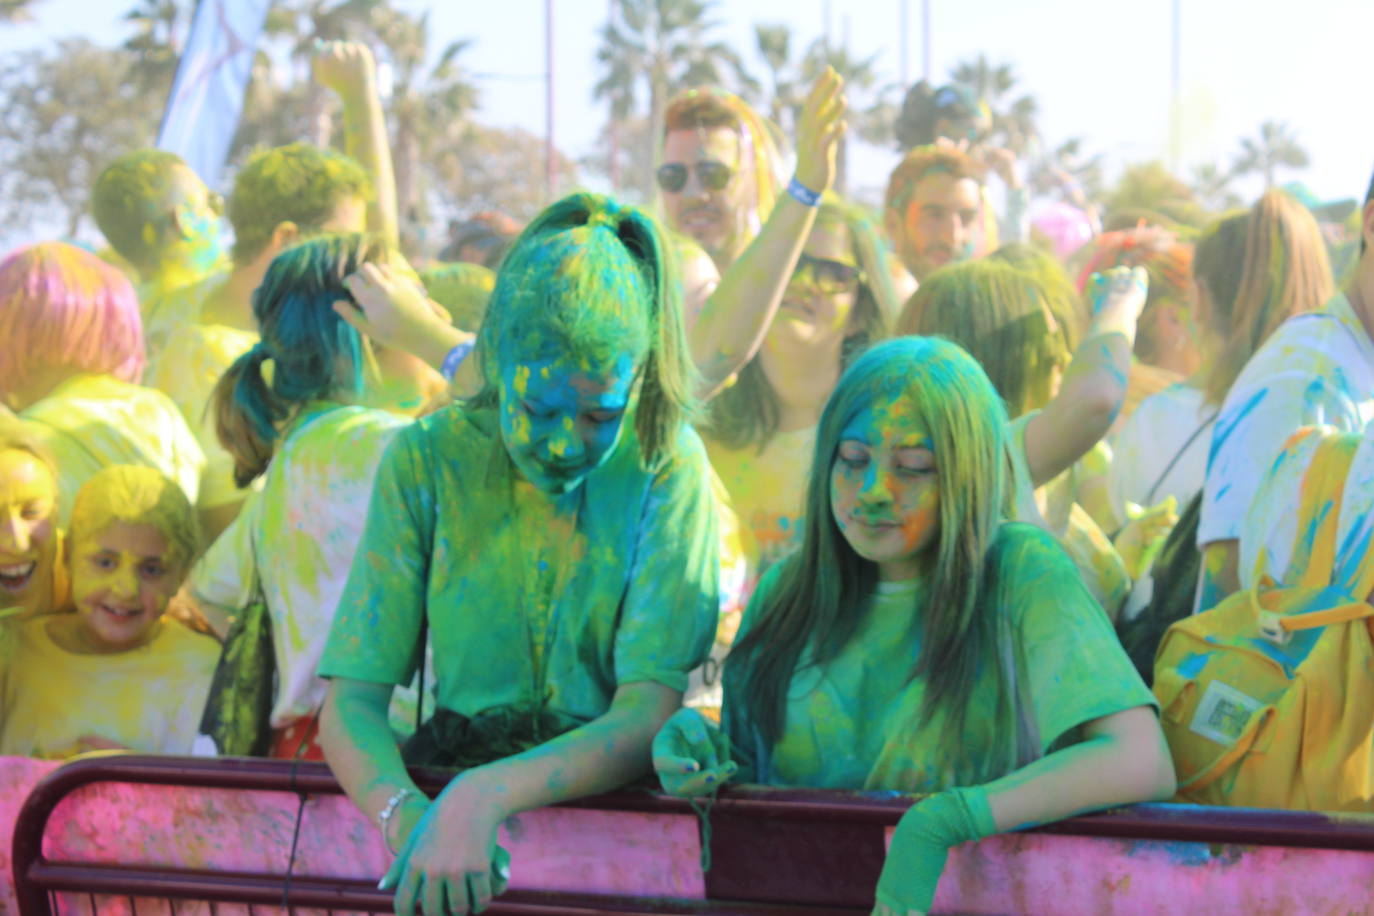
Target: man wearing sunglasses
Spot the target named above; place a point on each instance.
(719, 186)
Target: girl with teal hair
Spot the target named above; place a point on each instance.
(554, 536)
(292, 414)
(920, 642)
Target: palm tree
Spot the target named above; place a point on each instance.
(428, 108)
(1212, 184)
(1013, 120)
(872, 124)
(1068, 162)
(302, 23)
(774, 44)
(653, 48)
(160, 27)
(1276, 146)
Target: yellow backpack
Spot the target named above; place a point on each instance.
(1267, 700)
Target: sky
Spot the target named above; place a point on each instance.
(1100, 69)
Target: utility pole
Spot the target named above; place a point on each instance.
(904, 44)
(1176, 92)
(925, 38)
(550, 150)
(614, 126)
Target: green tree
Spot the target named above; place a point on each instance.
(17, 10)
(160, 29)
(65, 112)
(428, 109)
(654, 48)
(1013, 119)
(1068, 162)
(1149, 191)
(787, 91)
(1212, 185)
(491, 157)
(1275, 147)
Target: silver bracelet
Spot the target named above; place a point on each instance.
(384, 819)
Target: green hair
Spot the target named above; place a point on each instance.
(595, 278)
(748, 412)
(999, 315)
(461, 288)
(297, 183)
(817, 604)
(127, 196)
(1062, 297)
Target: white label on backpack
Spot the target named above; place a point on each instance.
(1223, 713)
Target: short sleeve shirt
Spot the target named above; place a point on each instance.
(92, 422)
(1316, 369)
(612, 583)
(853, 724)
(297, 537)
(187, 370)
(1162, 449)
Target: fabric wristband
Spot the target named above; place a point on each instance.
(454, 359)
(803, 194)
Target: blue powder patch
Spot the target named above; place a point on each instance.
(1192, 665)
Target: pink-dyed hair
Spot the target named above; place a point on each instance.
(61, 306)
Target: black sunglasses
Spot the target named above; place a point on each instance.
(711, 175)
(829, 276)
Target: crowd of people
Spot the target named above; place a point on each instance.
(770, 490)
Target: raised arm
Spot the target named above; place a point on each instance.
(348, 68)
(1094, 386)
(736, 317)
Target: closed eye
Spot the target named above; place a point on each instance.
(535, 412)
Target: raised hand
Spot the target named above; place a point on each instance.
(347, 67)
(1141, 538)
(1121, 288)
(819, 131)
(691, 756)
(392, 309)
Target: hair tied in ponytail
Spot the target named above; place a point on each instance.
(607, 215)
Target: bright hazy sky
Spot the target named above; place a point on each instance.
(1100, 68)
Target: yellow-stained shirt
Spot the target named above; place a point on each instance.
(167, 307)
(187, 370)
(149, 699)
(767, 493)
(92, 422)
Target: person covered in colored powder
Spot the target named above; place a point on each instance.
(1314, 369)
(921, 642)
(158, 215)
(1061, 408)
(760, 430)
(288, 411)
(1254, 269)
(555, 538)
(33, 574)
(116, 672)
(282, 196)
(934, 211)
(70, 366)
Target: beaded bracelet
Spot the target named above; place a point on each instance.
(383, 819)
(803, 194)
(454, 359)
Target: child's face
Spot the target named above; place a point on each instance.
(885, 489)
(123, 576)
(561, 417)
(28, 532)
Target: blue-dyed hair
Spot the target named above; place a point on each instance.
(315, 354)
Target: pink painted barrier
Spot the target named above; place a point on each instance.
(124, 826)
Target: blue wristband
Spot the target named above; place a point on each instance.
(803, 194)
(455, 359)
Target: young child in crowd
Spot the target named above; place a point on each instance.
(288, 412)
(555, 540)
(919, 641)
(69, 367)
(33, 574)
(114, 672)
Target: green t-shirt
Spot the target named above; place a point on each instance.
(852, 724)
(613, 583)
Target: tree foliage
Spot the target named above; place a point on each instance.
(1276, 146)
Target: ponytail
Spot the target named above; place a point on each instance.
(315, 354)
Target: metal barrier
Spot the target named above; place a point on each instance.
(773, 851)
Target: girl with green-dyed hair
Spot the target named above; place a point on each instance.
(553, 539)
(920, 642)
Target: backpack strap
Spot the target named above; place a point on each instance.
(1323, 487)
